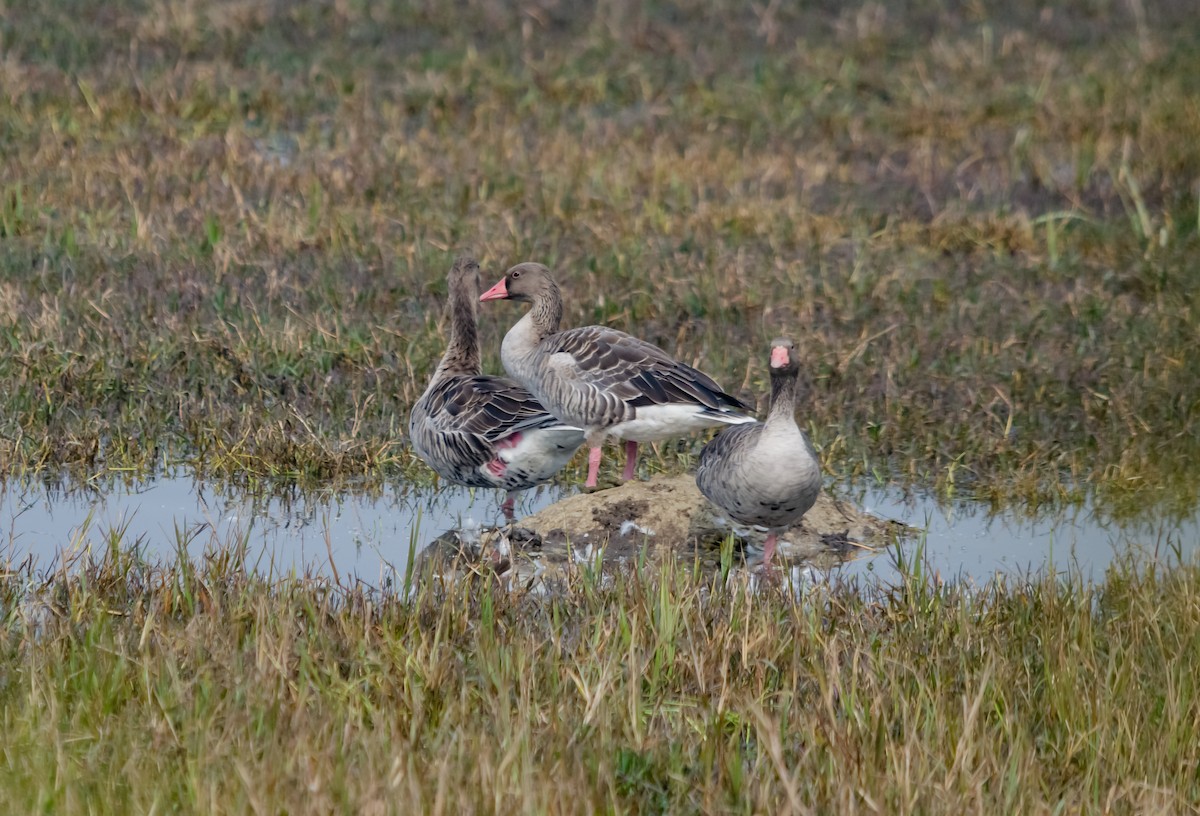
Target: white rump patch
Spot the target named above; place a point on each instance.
(658, 422)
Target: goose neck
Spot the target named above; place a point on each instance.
(462, 352)
(783, 398)
(546, 314)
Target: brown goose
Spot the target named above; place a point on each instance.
(766, 473)
(483, 431)
(603, 380)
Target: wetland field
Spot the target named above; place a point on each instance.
(225, 228)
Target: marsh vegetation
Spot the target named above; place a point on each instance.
(224, 233)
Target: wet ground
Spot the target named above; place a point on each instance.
(373, 537)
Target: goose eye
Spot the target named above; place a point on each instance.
(516, 275)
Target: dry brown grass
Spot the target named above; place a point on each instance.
(224, 229)
(131, 688)
(226, 225)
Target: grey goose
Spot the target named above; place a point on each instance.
(602, 380)
(482, 431)
(766, 474)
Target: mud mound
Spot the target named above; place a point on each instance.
(659, 516)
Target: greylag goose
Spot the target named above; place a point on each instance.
(483, 431)
(766, 473)
(602, 380)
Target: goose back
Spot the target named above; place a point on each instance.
(466, 427)
(600, 378)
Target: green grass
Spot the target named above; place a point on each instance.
(225, 226)
(131, 688)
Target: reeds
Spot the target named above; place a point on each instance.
(202, 686)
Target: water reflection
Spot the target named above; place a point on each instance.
(964, 541)
(365, 535)
(370, 536)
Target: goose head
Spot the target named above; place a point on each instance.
(464, 275)
(523, 282)
(784, 361)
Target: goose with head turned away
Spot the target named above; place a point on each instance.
(767, 473)
(481, 431)
(603, 380)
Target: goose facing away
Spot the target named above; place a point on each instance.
(766, 473)
(603, 380)
(478, 430)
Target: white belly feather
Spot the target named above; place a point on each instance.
(657, 422)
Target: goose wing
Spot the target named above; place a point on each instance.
(728, 449)
(488, 408)
(611, 362)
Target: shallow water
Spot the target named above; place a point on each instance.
(365, 536)
(962, 541)
(370, 537)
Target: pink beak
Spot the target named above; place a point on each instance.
(779, 357)
(497, 292)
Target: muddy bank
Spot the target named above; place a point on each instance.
(661, 516)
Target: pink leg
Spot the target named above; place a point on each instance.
(768, 551)
(630, 458)
(507, 505)
(593, 467)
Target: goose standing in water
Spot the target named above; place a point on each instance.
(766, 473)
(483, 431)
(602, 380)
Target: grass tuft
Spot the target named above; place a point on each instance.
(201, 685)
